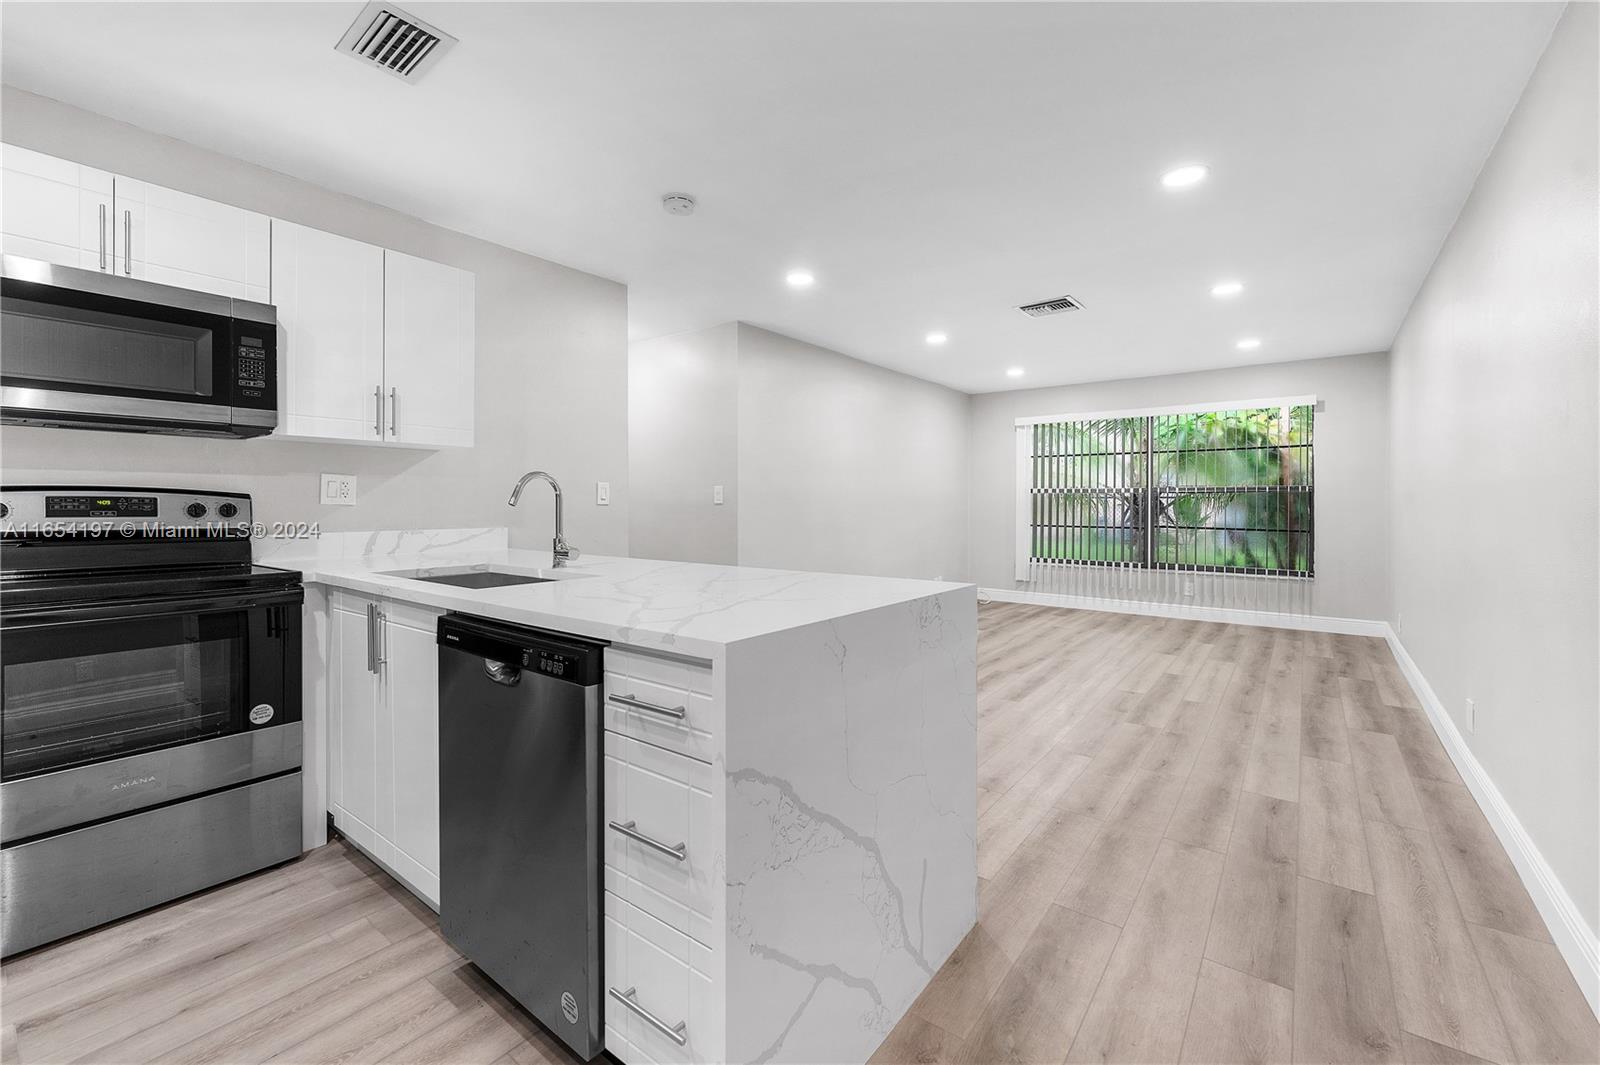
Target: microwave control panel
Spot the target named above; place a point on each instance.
(250, 363)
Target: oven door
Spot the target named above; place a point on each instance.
(154, 697)
(91, 350)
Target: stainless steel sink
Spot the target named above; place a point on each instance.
(481, 578)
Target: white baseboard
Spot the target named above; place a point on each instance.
(1572, 934)
(1266, 618)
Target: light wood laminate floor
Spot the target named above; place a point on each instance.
(1198, 843)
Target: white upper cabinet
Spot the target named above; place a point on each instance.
(374, 346)
(329, 294)
(174, 238)
(429, 351)
(55, 210)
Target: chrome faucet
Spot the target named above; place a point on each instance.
(560, 550)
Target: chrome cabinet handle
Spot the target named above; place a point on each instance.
(102, 236)
(372, 637)
(377, 418)
(676, 713)
(627, 828)
(678, 1033)
(394, 412)
(127, 243)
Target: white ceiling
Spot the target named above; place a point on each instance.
(934, 164)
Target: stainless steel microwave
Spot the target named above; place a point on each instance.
(89, 350)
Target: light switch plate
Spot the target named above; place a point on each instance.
(339, 489)
(602, 493)
(716, 494)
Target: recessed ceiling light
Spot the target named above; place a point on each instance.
(1183, 176)
(1227, 289)
(800, 279)
(936, 339)
(1249, 344)
(1015, 371)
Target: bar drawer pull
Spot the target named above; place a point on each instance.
(627, 828)
(675, 1032)
(676, 713)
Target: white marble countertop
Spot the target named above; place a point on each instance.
(687, 608)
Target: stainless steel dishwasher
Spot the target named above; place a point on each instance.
(519, 799)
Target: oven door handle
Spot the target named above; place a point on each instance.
(80, 612)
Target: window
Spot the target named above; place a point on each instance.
(1223, 491)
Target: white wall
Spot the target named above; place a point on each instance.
(551, 373)
(1351, 486)
(683, 397)
(847, 467)
(1496, 456)
(830, 463)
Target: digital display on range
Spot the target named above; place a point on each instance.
(99, 506)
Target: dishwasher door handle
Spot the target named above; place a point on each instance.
(627, 828)
(678, 1033)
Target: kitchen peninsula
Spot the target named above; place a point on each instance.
(821, 779)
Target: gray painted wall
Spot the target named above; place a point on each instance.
(830, 463)
(847, 467)
(1497, 453)
(683, 422)
(1351, 477)
(551, 374)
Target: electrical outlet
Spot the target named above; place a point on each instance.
(339, 489)
(602, 493)
(1188, 588)
(1399, 622)
(1472, 716)
(716, 494)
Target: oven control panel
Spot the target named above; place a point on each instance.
(44, 513)
(100, 507)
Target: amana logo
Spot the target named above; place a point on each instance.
(135, 782)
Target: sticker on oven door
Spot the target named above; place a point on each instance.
(569, 1007)
(261, 713)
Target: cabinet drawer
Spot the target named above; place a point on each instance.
(649, 711)
(671, 979)
(662, 844)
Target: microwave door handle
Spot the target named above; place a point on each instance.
(127, 243)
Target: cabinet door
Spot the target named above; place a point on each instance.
(329, 294)
(54, 210)
(173, 238)
(411, 679)
(428, 351)
(352, 727)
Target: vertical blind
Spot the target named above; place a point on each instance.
(1225, 491)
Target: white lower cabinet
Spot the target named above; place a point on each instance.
(672, 1013)
(383, 734)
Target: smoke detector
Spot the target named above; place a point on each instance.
(1044, 308)
(395, 41)
(677, 203)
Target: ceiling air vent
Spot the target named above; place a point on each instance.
(395, 40)
(1060, 305)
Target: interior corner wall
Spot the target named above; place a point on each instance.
(552, 365)
(846, 467)
(1352, 501)
(828, 463)
(1496, 446)
(683, 423)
